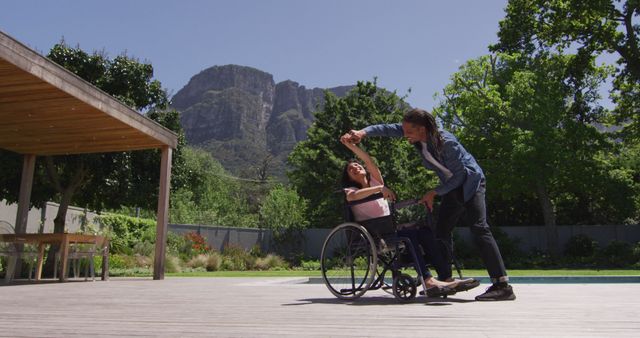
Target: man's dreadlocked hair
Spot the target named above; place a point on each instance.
(422, 117)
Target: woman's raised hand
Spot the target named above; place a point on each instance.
(346, 139)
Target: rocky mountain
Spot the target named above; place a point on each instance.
(245, 119)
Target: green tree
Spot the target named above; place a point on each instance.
(588, 28)
(283, 212)
(530, 123)
(114, 179)
(210, 195)
(317, 162)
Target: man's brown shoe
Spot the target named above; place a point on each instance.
(496, 292)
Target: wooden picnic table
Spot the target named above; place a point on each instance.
(64, 240)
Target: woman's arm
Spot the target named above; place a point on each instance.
(364, 156)
(373, 170)
(354, 195)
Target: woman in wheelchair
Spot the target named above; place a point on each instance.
(361, 184)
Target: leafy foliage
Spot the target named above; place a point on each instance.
(210, 195)
(283, 211)
(125, 232)
(588, 29)
(123, 77)
(198, 243)
(580, 246)
(531, 123)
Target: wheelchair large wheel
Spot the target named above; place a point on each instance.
(348, 261)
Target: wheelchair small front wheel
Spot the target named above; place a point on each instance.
(348, 261)
(404, 287)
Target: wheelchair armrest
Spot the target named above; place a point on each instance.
(407, 225)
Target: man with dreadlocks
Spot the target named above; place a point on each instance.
(462, 190)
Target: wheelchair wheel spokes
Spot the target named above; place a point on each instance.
(404, 287)
(348, 261)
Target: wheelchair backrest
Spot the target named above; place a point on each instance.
(425, 220)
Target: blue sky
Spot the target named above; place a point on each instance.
(405, 44)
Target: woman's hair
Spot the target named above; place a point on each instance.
(422, 117)
(347, 182)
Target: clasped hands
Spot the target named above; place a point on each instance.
(352, 137)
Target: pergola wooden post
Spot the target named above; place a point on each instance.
(26, 183)
(22, 214)
(163, 213)
(46, 110)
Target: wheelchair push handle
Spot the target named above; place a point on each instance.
(405, 203)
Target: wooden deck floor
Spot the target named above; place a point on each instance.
(250, 307)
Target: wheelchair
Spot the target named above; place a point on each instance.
(357, 256)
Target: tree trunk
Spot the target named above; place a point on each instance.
(61, 216)
(58, 228)
(549, 214)
(78, 180)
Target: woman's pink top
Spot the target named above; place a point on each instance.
(371, 209)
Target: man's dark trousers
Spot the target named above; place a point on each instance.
(473, 214)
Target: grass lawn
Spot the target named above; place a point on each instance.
(468, 272)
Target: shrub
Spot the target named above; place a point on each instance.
(580, 246)
(509, 248)
(142, 261)
(145, 248)
(537, 259)
(283, 211)
(187, 246)
(232, 264)
(467, 254)
(199, 261)
(119, 261)
(178, 245)
(312, 265)
(125, 231)
(97, 264)
(236, 258)
(208, 262)
(214, 260)
(616, 254)
(361, 263)
(198, 243)
(256, 251)
(172, 264)
(636, 252)
(271, 262)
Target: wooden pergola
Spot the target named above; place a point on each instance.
(47, 110)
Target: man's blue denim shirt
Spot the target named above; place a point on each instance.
(459, 161)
